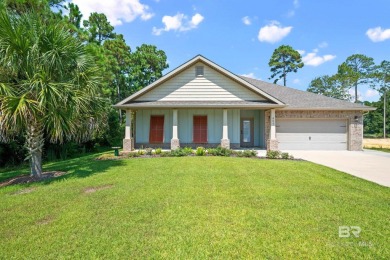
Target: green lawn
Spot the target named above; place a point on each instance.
(386, 150)
(194, 207)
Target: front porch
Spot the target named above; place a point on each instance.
(174, 128)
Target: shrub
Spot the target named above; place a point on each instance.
(238, 153)
(141, 152)
(200, 151)
(220, 151)
(291, 157)
(158, 151)
(249, 153)
(165, 154)
(148, 151)
(133, 154)
(284, 156)
(178, 152)
(212, 151)
(224, 151)
(273, 154)
(187, 150)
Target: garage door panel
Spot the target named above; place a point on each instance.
(315, 137)
(311, 134)
(313, 146)
(311, 126)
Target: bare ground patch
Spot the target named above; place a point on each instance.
(24, 191)
(376, 143)
(97, 188)
(44, 221)
(30, 179)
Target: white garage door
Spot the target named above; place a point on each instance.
(311, 134)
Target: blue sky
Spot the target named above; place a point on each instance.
(241, 35)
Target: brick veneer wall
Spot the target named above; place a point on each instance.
(355, 129)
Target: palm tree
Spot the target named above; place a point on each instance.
(49, 85)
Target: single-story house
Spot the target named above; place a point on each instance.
(203, 104)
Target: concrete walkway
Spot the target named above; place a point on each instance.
(368, 164)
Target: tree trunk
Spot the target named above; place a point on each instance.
(34, 144)
(119, 97)
(284, 72)
(384, 115)
(36, 164)
(356, 93)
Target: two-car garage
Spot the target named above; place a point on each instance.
(312, 134)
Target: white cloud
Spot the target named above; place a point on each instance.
(301, 52)
(246, 20)
(378, 34)
(351, 91)
(371, 93)
(249, 75)
(273, 32)
(117, 11)
(290, 13)
(312, 59)
(296, 81)
(323, 45)
(179, 22)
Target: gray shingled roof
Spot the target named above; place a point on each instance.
(296, 99)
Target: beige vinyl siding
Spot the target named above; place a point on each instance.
(213, 86)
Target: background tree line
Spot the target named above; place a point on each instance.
(67, 85)
(355, 71)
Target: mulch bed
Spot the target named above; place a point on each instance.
(30, 179)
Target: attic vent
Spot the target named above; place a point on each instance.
(199, 71)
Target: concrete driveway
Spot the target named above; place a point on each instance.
(368, 164)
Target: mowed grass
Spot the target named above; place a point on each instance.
(386, 150)
(194, 207)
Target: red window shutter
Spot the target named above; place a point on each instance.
(156, 132)
(200, 129)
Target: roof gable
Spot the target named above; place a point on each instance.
(211, 86)
(217, 84)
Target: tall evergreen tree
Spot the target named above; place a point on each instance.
(283, 61)
(330, 86)
(381, 82)
(147, 66)
(356, 70)
(99, 28)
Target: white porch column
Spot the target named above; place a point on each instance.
(272, 143)
(225, 142)
(272, 134)
(128, 142)
(175, 142)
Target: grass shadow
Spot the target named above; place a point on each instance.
(81, 167)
